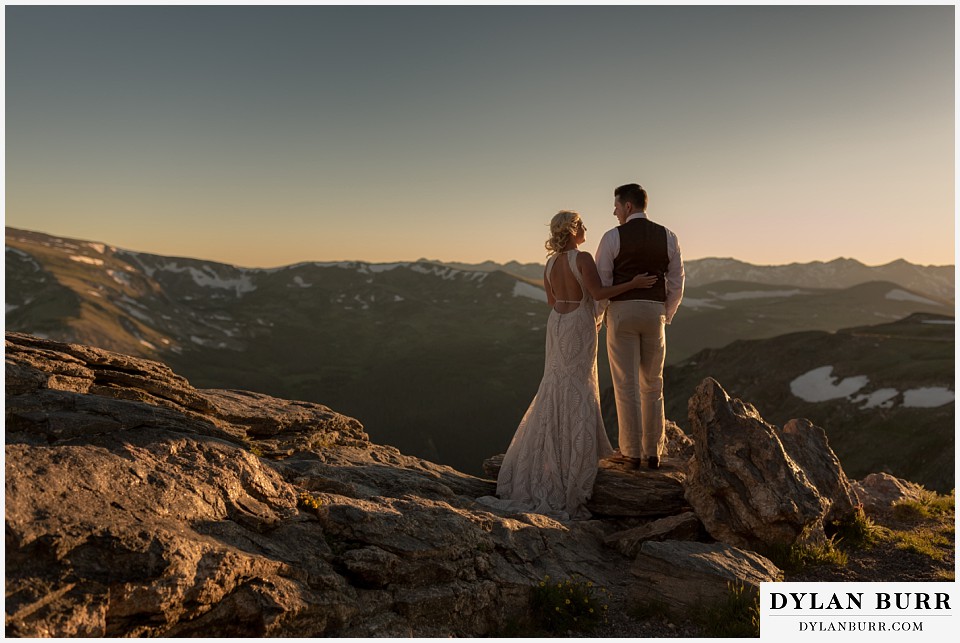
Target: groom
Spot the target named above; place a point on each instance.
(636, 343)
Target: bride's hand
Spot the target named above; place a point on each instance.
(643, 281)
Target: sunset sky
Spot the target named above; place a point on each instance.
(263, 136)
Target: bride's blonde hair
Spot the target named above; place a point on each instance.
(563, 226)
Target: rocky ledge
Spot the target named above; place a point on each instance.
(137, 505)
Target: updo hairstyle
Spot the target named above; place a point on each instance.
(563, 226)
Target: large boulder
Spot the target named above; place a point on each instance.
(692, 575)
(807, 445)
(741, 482)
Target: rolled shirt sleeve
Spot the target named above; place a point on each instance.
(606, 252)
(674, 278)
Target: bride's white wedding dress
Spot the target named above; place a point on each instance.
(551, 463)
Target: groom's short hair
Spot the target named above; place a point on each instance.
(632, 193)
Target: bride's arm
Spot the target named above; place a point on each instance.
(591, 279)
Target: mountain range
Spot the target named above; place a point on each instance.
(937, 281)
(437, 359)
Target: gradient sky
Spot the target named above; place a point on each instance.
(264, 136)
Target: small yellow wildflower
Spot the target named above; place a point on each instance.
(567, 601)
(542, 584)
(591, 610)
(589, 584)
(557, 608)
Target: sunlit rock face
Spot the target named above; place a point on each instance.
(137, 505)
(743, 483)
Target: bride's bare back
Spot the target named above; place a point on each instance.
(563, 285)
(564, 293)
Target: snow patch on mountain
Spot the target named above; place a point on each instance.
(327, 264)
(120, 277)
(881, 398)
(10, 307)
(755, 294)
(207, 278)
(90, 260)
(696, 304)
(26, 257)
(927, 397)
(134, 308)
(523, 289)
(819, 385)
(384, 267)
(447, 273)
(99, 247)
(938, 321)
(902, 295)
(209, 343)
(441, 271)
(300, 282)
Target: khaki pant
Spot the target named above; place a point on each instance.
(636, 346)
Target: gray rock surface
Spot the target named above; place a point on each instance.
(807, 445)
(741, 483)
(684, 574)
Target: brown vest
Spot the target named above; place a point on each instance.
(643, 248)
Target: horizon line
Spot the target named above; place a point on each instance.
(466, 263)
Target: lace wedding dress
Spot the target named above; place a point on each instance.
(551, 463)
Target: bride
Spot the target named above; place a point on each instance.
(551, 463)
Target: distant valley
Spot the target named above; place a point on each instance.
(439, 360)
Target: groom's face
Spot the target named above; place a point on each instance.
(621, 210)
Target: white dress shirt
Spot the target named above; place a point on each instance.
(609, 248)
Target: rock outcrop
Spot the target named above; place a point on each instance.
(743, 483)
(137, 505)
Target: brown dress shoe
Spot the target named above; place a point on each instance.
(625, 459)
